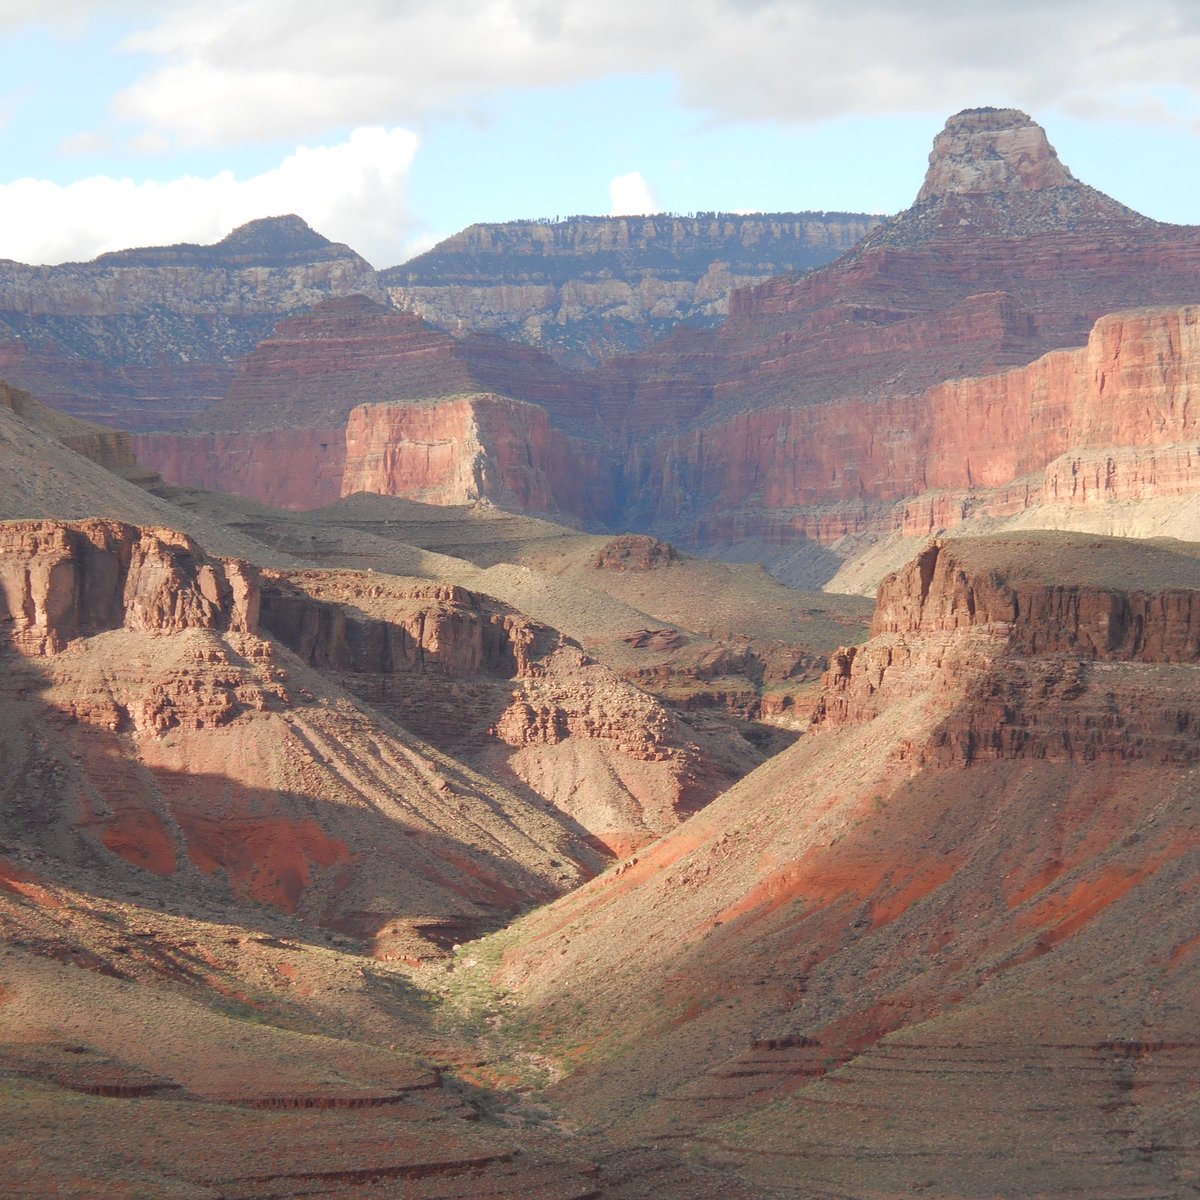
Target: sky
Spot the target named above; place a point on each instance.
(390, 124)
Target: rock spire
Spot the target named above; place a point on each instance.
(989, 150)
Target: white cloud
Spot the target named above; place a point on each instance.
(66, 16)
(90, 142)
(354, 192)
(631, 195)
(230, 70)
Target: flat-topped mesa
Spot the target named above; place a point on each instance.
(992, 150)
(1047, 646)
(267, 242)
(1097, 598)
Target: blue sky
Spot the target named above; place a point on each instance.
(391, 124)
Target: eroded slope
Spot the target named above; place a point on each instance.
(974, 879)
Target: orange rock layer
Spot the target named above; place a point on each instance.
(60, 581)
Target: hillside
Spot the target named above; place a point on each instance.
(966, 891)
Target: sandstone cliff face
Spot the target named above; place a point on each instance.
(1112, 420)
(61, 581)
(588, 287)
(285, 468)
(992, 150)
(480, 447)
(507, 694)
(318, 411)
(1019, 627)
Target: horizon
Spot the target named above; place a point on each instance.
(126, 124)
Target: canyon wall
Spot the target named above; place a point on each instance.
(586, 288)
(994, 331)
(61, 581)
(509, 695)
(1114, 419)
(354, 396)
(147, 339)
(1059, 647)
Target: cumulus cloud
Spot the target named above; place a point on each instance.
(354, 192)
(257, 69)
(631, 195)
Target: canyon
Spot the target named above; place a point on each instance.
(394, 803)
(821, 417)
(962, 885)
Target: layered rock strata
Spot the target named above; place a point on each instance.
(586, 288)
(1031, 649)
(155, 736)
(61, 582)
(823, 400)
(825, 407)
(509, 695)
(355, 397)
(965, 882)
(145, 339)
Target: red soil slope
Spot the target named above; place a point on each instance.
(970, 890)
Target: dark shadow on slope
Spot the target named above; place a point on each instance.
(347, 854)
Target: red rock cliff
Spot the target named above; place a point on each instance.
(480, 447)
(60, 581)
(1011, 632)
(446, 629)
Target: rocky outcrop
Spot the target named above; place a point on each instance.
(512, 696)
(992, 171)
(634, 552)
(985, 150)
(1016, 627)
(60, 581)
(478, 447)
(586, 288)
(956, 585)
(438, 628)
